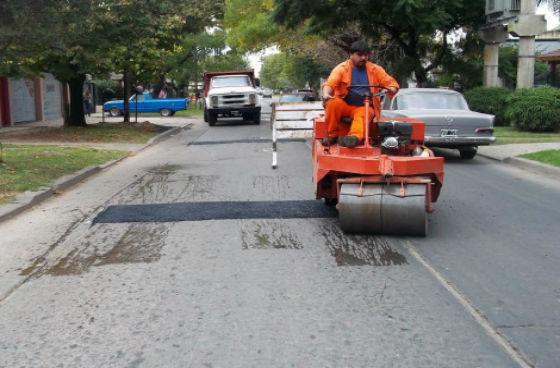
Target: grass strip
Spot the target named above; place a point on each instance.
(510, 135)
(93, 133)
(550, 157)
(26, 167)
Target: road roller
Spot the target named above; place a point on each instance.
(387, 184)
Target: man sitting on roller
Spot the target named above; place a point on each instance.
(340, 100)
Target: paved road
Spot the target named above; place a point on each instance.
(80, 288)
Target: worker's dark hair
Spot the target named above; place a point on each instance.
(359, 46)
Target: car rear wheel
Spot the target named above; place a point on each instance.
(468, 153)
(165, 112)
(114, 112)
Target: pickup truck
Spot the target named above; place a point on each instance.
(146, 103)
(229, 94)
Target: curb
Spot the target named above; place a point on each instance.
(27, 200)
(529, 165)
(534, 166)
(488, 156)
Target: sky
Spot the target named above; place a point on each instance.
(255, 59)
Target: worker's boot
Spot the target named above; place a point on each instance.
(329, 141)
(349, 141)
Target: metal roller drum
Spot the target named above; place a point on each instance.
(379, 209)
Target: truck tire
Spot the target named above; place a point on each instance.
(212, 118)
(205, 115)
(257, 118)
(468, 153)
(114, 112)
(165, 112)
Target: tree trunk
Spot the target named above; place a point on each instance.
(76, 115)
(126, 93)
(421, 76)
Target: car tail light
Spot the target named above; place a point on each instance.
(252, 99)
(484, 130)
(214, 100)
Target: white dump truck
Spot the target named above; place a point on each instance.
(231, 94)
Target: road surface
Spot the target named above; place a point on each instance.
(87, 282)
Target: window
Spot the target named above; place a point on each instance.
(231, 81)
(431, 100)
(140, 98)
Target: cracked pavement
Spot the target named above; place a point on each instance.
(270, 292)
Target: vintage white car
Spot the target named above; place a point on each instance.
(449, 121)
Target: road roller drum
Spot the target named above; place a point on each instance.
(383, 209)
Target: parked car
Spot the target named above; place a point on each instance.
(229, 94)
(267, 93)
(146, 103)
(449, 121)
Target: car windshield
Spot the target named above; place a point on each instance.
(292, 98)
(436, 101)
(232, 81)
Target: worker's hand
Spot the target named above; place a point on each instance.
(392, 89)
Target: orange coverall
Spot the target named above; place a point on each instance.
(339, 80)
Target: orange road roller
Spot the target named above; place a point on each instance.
(385, 185)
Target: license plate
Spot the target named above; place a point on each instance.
(449, 132)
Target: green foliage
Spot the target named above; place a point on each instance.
(107, 89)
(202, 52)
(285, 72)
(413, 33)
(490, 100)
(249, 24)
(534, 109)
(507, 69)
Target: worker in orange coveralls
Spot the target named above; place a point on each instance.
(340, 100)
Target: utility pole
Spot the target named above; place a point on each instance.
(526, 27)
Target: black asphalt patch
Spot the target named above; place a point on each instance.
(204, 211)
(250, 140)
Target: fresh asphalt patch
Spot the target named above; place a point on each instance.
(250, 140)
(205, 211)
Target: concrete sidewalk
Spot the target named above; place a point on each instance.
(505, 151)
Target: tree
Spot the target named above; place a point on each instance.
(283, 71)
(203, 52)
(73, 37)
(413, 33)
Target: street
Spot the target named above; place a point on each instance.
(85, 282)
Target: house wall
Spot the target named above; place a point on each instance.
(52, 97)
(22, 100)
(29, 100)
